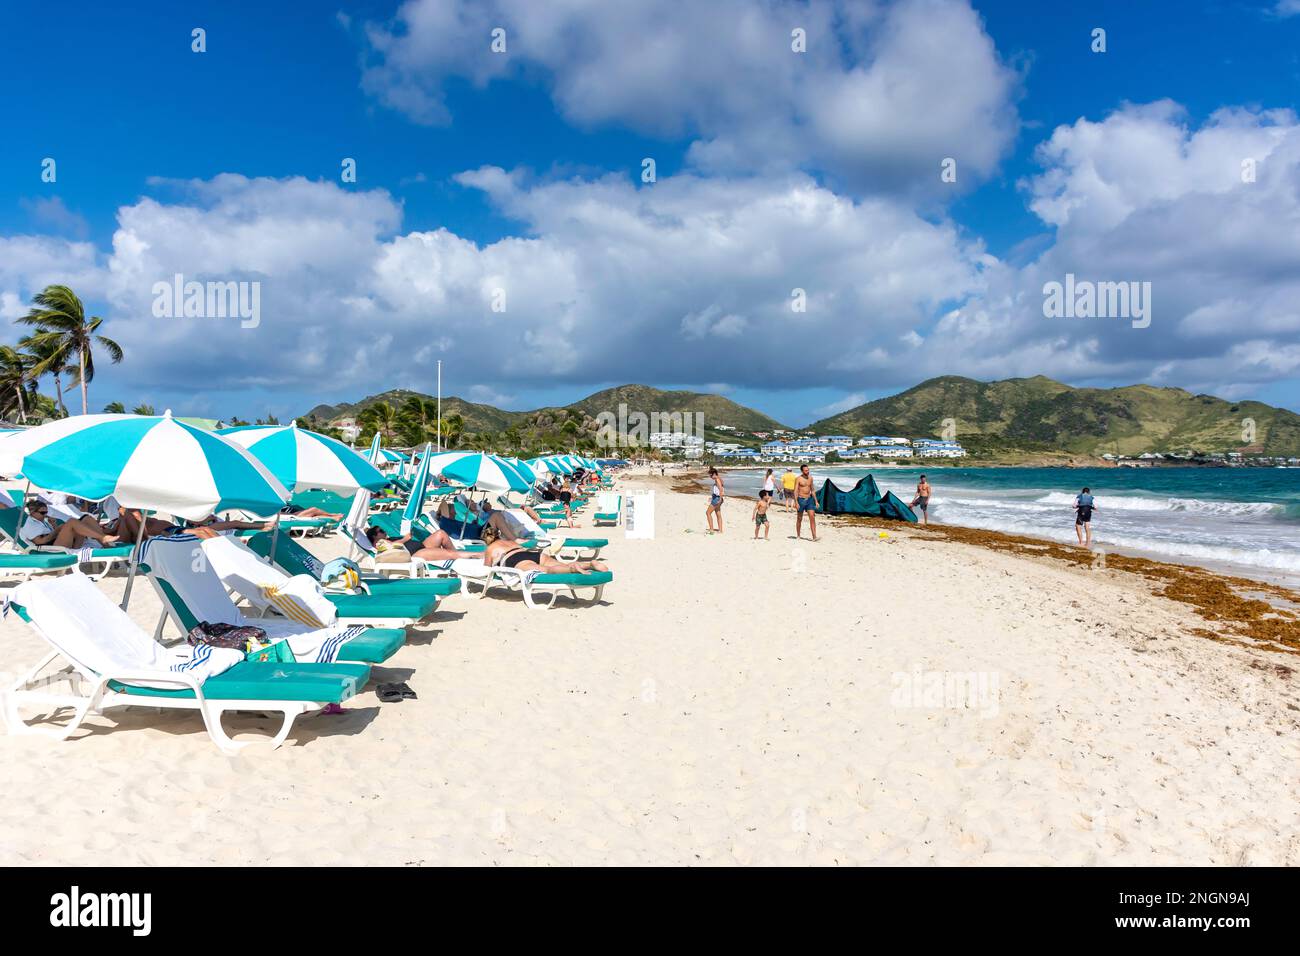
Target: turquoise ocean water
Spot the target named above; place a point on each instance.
(1244, 520)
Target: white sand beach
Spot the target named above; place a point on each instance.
(731, 702)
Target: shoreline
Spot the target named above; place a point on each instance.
(1226, 568)
(1220, 598)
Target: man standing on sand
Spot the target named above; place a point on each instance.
(1083, 507)
(787, 489)
(922, 499)
(807, 500)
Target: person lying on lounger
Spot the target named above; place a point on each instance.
(510, 554)
(434, 547)
(446, 518)
(506, 525)
(128, 526)
(42, 530)
(296, 511)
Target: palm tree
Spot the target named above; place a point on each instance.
(115, 408)
(59, 316)
(380, 417)
(15, 382)
(453, 427)
(418, 420)
(143, 409)
(46, 357)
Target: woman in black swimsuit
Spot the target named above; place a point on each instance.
(436, 547)
(509, 554)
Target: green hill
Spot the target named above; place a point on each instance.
(477, 417)
(1028, 415)
(713, 410)
(539, 424)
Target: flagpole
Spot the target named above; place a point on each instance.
(440, 406)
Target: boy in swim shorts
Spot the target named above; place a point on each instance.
(760, 514)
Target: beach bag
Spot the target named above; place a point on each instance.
(232, 636)
(301, 599)
(341, 574)
(278, 653)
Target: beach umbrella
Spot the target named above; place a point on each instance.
(419, 486)
(150, 462)
(526, 470)
(479, 470)
(303, 459)
(556, 465)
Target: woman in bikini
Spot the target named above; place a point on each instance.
(435, 547)
(716, 496)
(510, 554)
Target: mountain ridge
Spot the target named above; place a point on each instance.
(992, 419)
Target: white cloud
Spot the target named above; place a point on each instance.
(1287, 8)
(884, 92)
(690, 279)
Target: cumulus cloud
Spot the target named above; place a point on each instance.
(884, 92)
(693, 278)
(1210, 216)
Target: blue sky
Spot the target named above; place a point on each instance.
(139, 122)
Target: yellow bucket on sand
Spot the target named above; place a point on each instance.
(883, 534)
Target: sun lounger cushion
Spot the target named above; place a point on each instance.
(592, 579)
(37, 560)
(118, 551)
(373, 645)
(387, 604)
(326, 683)
(585, 542)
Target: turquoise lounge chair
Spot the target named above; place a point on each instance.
(113, 663)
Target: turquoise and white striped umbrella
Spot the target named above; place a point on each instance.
(419, 486)
(524, 469)
(554, 464)
(389, 455)
(152, 462)
(478, 470)
(304, 459)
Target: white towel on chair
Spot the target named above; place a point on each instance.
(85, 625)
(184, 563)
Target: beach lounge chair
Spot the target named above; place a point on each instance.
(530, 584)
(192, 592)
(102, 559)
(15, 568)
(107, 661)
(609, 509)
(243, 571)
(292, 558)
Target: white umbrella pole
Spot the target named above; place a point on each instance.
(135, 560)
(440, 406)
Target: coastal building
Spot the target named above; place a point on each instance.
(348, 428)
(882, 440)
(928, 448)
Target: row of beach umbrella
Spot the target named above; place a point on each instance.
(159, 464)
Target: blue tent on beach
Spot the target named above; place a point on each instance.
(864, 498)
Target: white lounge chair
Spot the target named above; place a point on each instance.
(530, 584)
(191, 592)
(107, 661)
